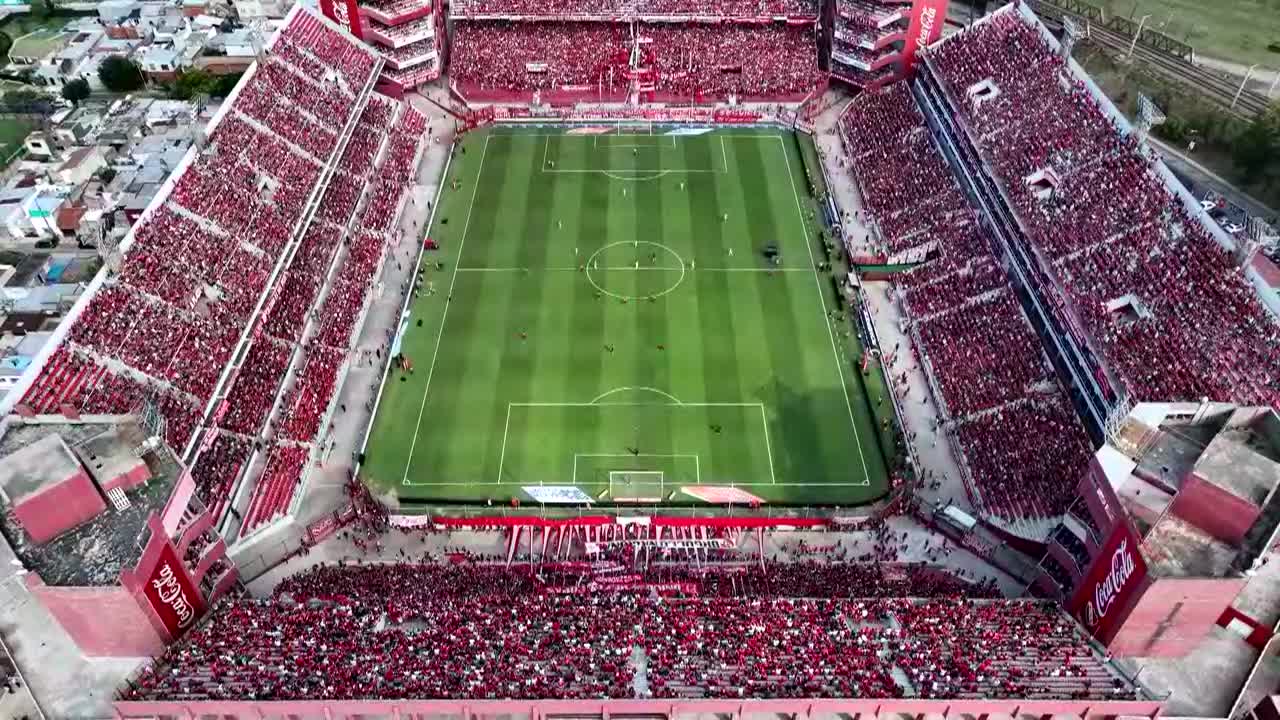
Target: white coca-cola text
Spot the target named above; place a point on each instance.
(1106, 591)
(927, 18)
(169, 592)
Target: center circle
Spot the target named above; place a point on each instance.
(649, 257)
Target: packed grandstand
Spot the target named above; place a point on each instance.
(488, 631)
(233, 315)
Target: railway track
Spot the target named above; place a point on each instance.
(1213, 85)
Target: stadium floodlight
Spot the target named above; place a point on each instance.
(1149, 115)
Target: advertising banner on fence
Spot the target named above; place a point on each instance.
(927, 19)
(1117, 572)
(171, 594)
(557, 494)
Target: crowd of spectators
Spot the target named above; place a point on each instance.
(523, 56)
(719, 60)
(219, 465)
(344, 305)
(308, 399)
(487, 632)
(685, 60)
(255, 386)
(640, 8)
(1021, 443)
(1108, 227)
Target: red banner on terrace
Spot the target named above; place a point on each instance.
(171, 594)
(1116, 574)
(344, 12)
(927, 20)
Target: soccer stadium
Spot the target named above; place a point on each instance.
(660, 359)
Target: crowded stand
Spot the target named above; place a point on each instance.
(640, 8)
(993, 381)
(906, 186)
(309, 397)
(499, 55)
(474, 630)
(719, 60)
(216, 472)
(679, 60)
(255, 386)
(987, 350)
(311, 37)
(1027, 454)
(307, 401)
(1107, 228)
(200, 260)
(343, 307)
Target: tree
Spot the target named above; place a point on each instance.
(120, 74)
(1256, 151)
(191, 83)
(224, 84)
(27, 100)
(76, 91)
(41, 9)
(6, 44)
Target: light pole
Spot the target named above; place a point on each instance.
(1137, 35)
(1242, 84)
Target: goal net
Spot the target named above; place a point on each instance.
(636, 485)
(634, 128)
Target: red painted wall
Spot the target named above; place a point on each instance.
(59, 507)
(103, 622)
(1115, 578)
(927, 19)
(1173, 615)
(1214, 510)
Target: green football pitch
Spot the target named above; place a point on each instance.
(605, 318)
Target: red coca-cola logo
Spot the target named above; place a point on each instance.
(1108, 589)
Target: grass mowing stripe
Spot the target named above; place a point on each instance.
(840, 363)
(651, 316)
(468, 356)
(417, 427)
(787, 354)
(520, 380)
(732, 370)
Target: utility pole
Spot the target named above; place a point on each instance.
(1243, 82)
(1137, 35)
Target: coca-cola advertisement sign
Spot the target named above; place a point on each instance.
(171, 594)
(927, 19)
(1116, 573)
(346, 13)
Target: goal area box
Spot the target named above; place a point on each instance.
(644, 486)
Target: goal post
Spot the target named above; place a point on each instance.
(636, 485)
